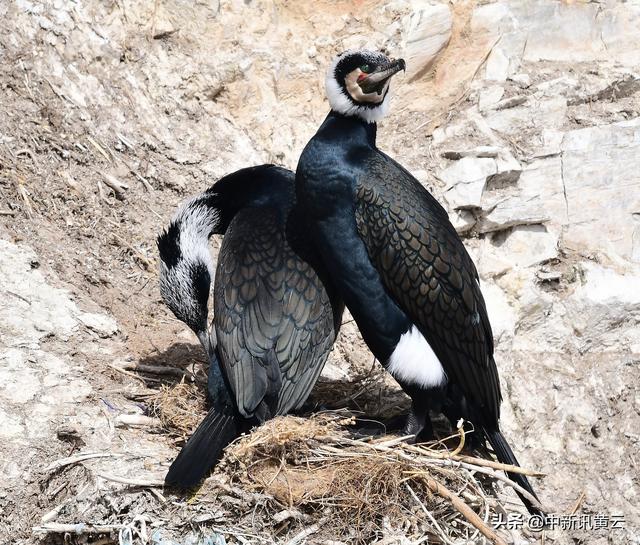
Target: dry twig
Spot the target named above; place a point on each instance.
(78, 529)
(82, 457)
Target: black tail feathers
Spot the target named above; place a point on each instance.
(204, 448)
(506, 456)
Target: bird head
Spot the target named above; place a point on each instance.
(357, 83)
(186, 267)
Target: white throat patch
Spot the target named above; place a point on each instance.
(414, 361)
(341, 103)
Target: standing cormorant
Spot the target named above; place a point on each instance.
(397, 260)
(275, 316)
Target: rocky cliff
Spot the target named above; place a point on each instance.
(522, 117)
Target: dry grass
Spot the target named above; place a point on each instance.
(294, 473)
(180, 407)
(364, 487)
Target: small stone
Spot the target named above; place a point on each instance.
(521, 80)
(497, 66)
(103, 325)
(489, 97)
(462, 220)
(511, 102)
(549, 276)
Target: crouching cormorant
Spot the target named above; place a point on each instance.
(275, 315)
(397, 260)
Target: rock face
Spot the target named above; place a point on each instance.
(600, 171)
(522, 117)
(427, 30)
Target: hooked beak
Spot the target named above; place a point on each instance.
(377, 81)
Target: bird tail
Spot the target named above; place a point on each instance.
(203, 449)
(506, 456)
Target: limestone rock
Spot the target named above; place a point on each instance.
(547, 114)
(521, 80)
(30, 309)
(497, 67)
(501, 314)
(462, 220)
(527, 245)
(465, 181)
(600, 167)
(542, 192)
(105, 326)
(508, 171)
(605, 309)
(428, 30)
(596, 32)
(511, 211)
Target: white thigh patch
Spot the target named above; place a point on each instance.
(415, 362)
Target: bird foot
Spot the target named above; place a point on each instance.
(419, 426)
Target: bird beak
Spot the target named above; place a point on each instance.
(208, 343)
(377, 81)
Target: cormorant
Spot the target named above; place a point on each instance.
(397, 260)
(275, 315)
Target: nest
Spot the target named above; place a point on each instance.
(296, 480)
(316, 475)
(293, 480)
(312, 476)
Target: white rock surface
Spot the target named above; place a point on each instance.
(428, 30)
(497, 68)
(601, 175)
(32, 311)
(490, 96)
(465, 181)
(525, 245)
(501, 313)
(605, 309)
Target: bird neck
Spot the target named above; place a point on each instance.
(349, 128)
(192, 226)
(199, 217)
(259, 186)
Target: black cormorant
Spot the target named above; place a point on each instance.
(275, 315)
(397, 260)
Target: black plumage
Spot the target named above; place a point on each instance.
(276, 316)
(274, 319)
(427, 270)
(399, 263)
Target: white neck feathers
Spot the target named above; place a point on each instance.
(196, 221)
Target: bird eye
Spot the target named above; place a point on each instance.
(365, 68)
